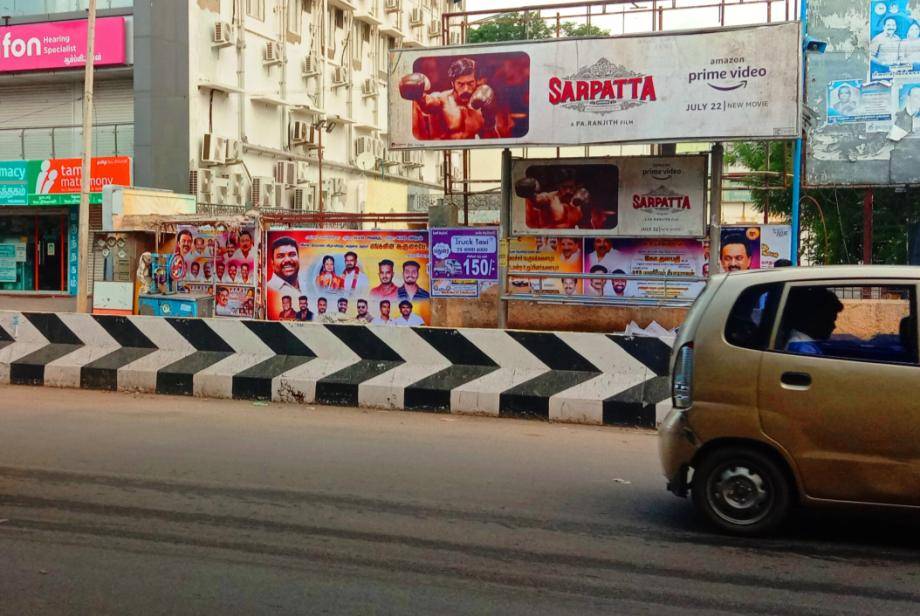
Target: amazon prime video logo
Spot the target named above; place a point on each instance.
(727, 74)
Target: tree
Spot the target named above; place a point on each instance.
(831, 219)
(527, 25)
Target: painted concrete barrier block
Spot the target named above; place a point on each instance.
(572, 377)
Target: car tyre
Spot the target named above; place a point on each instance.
(742, 491)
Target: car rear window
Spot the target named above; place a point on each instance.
(751, 318)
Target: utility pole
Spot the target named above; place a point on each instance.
(85, 179)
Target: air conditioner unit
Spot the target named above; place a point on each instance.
(416, 17)
(434, 28)
(261, 186)
(272, 54)
(391, 6)
(301, 133)
(339, 76)
(391, 158)
(303, 170)
(411, 158)
(286, 172)
(304, 198)
(310, 65)
(199, 183)
(234, 150)
(369, 87)
(454, 38)
(222, 36)
(334, 186)
(365, 145)
(213, 149)
(237, 189)
(220, 191)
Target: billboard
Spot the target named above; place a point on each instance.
(863, 94)
(661, 87)
(333, 276)
(461, 259)
(754, 247)
(61, 45)
(629, 196)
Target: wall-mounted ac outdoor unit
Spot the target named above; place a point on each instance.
(411, 158)
(369, 87)
(222, 36)
(286, 172)
(199, 183)
(301, 133)
(213, 149)
(234, 150)
(339, 76)
(391, 158)
(304, 198)
(310, 65)
(272, 54)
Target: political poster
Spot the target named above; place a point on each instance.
(219, 261)
(599, 90)
(338, 276)
(894, 43)
(680, 260)
(853, 101)
(642, 196)
(753, 247)
(545, 254)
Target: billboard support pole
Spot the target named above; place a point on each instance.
(797, 154)
(868, 206)
(715, 206)
(504, 233)
(86, 180)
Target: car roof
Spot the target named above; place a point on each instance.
(824, 272)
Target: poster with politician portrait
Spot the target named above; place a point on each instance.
(337, 276)
(471, 97)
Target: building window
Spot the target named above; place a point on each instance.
(295, 16)
(339, 18)
(256, 9)
(308, 6)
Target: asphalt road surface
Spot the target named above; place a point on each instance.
(120, 504)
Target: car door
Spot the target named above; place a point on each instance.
(846, 405)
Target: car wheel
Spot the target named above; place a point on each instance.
(741, 491)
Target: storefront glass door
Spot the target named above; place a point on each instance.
(33, 252)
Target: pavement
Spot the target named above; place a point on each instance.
(115, 503)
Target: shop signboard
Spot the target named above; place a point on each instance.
(61, 45)
(374, 277)
(56, 181)
(13, 189)
(461, 259)
(641, 88)
(641, 196)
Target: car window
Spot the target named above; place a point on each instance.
(875, 323)
(751, 318)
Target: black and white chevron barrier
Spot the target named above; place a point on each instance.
(565, 376)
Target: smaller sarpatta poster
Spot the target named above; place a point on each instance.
(644, 196)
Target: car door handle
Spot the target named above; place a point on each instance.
(796, 379)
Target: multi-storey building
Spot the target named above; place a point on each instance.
(247, 103)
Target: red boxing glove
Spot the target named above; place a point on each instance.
(414, 86)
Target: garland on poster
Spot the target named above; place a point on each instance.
(220, 262)
(371, 277)
(643, 196)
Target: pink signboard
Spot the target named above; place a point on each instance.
(60, 45)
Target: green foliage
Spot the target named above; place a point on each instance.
(831, 219)
(527, 25)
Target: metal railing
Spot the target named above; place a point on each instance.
(668, 284)
(109, 139)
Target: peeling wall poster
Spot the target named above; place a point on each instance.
(894, 44)
(851, 101)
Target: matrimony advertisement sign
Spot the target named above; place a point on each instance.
(61, 45)
(728, 84)
(640, 196)
(56, 181)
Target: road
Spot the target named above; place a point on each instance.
(118, 504)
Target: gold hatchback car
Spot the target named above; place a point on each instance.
(796, 386)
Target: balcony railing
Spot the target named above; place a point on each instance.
(65, 141)
(19, 8)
